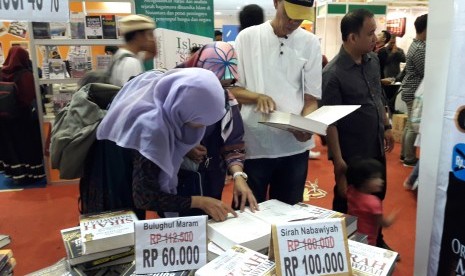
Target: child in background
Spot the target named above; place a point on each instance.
(365, 177)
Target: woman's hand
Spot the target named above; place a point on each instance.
(243, 194)
(215, 208)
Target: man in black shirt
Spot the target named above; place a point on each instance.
(353, 78)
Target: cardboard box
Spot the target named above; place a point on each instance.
(397, 135)
(399, 121)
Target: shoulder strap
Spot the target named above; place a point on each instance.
(115, 61)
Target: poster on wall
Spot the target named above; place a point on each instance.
(397, 26)
(447, 255)
(174, 47)
(193, 17)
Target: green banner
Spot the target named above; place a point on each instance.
(189, 16)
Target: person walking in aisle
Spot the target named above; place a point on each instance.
(139, 38)
(161, 118)
(222, 147)
(414, 72)
(352, 77)
(21, 155)
(279, 66)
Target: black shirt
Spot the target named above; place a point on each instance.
(361, 133)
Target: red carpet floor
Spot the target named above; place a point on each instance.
(34, 217)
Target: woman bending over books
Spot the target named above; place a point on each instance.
(222, 146)
(161, 117)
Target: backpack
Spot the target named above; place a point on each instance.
(102, 76)
(9, 105)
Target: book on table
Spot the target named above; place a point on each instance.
(4, 240)
(73, 245)
(8, 267)
(316, 212)
(367, 260)
(253, 229)
(238, 260)
(131, 271)
(5, 256)
(315, 122)
(107, 231)
(60, 268)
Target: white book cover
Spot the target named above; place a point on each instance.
(93, 28)
(370, 260)
(240, 261)
(107, 231)
(56, 69)
(315, 122)
(246, 230)
(252, 229)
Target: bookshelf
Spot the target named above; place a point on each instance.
(46, 121)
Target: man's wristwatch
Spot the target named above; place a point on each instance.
(243, 174)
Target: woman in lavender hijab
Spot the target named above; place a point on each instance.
(222, 147)
(161, 118)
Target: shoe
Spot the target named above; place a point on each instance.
(314, 154)
(410, 163)
(402, 158)
(384, 245)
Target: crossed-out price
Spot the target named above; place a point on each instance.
(172, 237)
(315, 264)
(169, 256)
(35, 4)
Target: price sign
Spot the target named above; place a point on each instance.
(172, 244)
(312, 247)
(35, 10)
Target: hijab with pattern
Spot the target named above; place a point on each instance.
(220, 58)
(150, 113)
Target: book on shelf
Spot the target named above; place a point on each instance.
(18, 28)
(106, 231)
(8, 268)
(4, 240)
(5, 255)
(238, 260)
(315, 122)
(73, 245)
(367, 260)
(79, 66)
(60, 268)
(77, 25)
(118, 29)
(103, 62)
(56, 69)
(109, 27)
(59, 30)
(94, 27)
(316, 212)
(131, 271)
(41, 30)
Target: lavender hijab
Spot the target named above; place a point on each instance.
(150, 113)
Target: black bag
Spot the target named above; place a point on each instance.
(9, 106)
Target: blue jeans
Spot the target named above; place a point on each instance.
(285, 177)
(414, 174)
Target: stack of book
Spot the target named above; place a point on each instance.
(253, 230)
(131, 271)
(7, 262)
(102, 244)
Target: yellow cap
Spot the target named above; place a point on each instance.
(298, 9)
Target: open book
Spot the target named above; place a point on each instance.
(315, 122)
